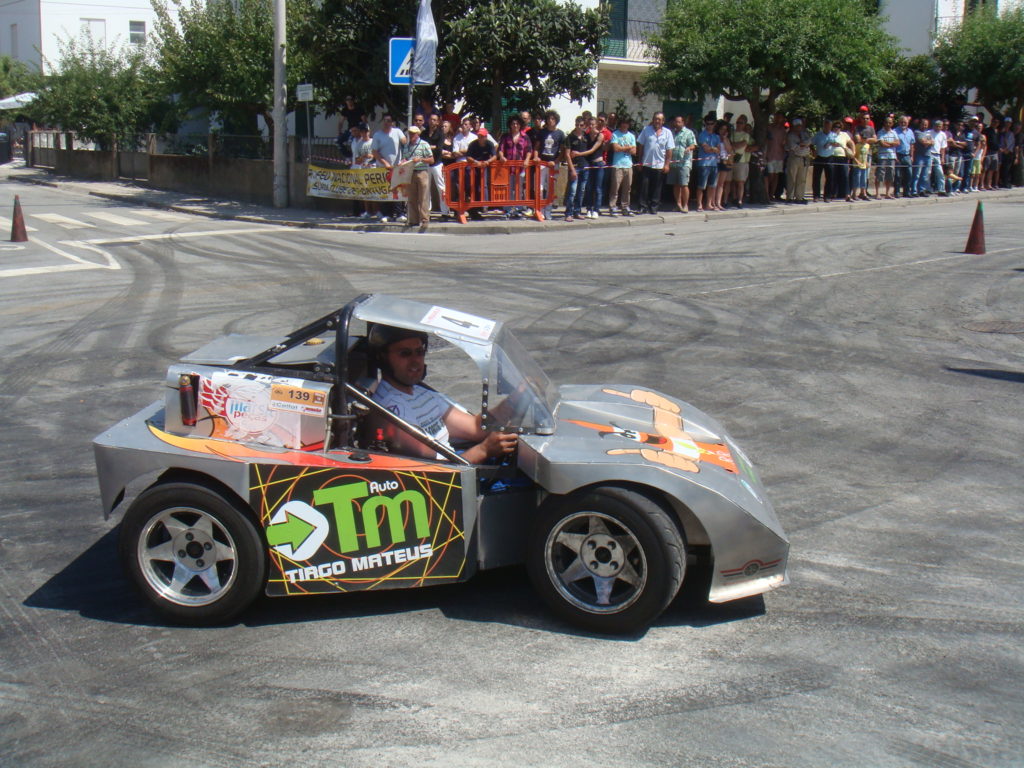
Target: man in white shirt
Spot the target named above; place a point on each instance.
(400, 354)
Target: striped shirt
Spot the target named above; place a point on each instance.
(424, 408)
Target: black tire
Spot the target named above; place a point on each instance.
(609, 593)
(194, 552)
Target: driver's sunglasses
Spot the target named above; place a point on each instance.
(407, 352)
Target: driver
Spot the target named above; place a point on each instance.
(400, 353)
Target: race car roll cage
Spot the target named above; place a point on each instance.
(344, 394)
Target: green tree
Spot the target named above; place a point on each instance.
(831, 51)
(915, 86)
(219, 55)
(524, 52)
(100, 93)
(986, 51)
(15, 77)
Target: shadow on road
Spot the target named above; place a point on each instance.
(991, 373)
(94, 586)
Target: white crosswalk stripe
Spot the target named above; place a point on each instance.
(164, 215)
(61, 221)
(114, 218)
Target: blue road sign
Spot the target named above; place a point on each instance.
(400, 61)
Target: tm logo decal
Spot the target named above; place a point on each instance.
(343, 497)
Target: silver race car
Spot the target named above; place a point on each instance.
(265, 471)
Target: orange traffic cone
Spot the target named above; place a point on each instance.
(18, 233)
(976, 240)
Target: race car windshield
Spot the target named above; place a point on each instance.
(521, 396)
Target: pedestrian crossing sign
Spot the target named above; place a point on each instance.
(400, 61)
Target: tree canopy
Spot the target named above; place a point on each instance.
(832, 51)
(219, 55)
(986, 51)
(521, 51)
(15, 77)
(100, 93)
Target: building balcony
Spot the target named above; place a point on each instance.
(627, 42)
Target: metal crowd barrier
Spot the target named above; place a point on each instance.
(513, 184)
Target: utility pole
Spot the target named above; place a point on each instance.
(280, 93)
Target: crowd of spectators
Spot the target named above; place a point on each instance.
(615, 168)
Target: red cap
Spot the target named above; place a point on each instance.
(848, 120)
(864, 109)
(482, 132)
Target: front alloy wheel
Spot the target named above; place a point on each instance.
(607, 559)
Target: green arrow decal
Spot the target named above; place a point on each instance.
(294, 530)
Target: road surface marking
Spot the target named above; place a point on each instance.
(164, 215)
(77, 262)
(113, 218)
(266, 229)
(61, 221)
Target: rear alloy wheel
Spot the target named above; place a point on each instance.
(609, 559)
(193, 552)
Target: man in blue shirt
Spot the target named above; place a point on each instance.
(903, 153)
(888, 142)
(708, 146)
(656, 144)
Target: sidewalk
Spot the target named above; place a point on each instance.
(136, 194)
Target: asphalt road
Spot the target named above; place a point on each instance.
(846, 351)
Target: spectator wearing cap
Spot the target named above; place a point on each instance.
(864, 132)
(859, 166)
(419, 154)
(904, 155)
(481, 155)
(864, 115)
(798, 147)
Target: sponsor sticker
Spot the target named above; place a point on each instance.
(309, 402)
(459, 322)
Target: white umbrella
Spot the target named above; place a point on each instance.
(17, 102)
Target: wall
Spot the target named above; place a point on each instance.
(24, 13)
(84, 164)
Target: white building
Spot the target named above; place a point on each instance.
(31, 30)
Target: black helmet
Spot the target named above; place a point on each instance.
(379, 337)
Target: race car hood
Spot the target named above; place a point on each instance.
(637, 434)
